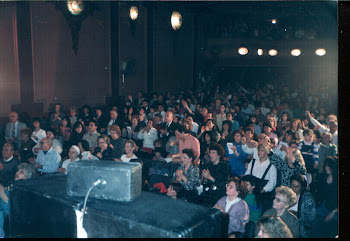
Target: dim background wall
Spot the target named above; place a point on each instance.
(59, 73)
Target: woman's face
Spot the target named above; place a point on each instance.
(24, 137)
(129, 148)
(229, 117)
(150, 124)
(79, 129)
(207, 137)
(225, 127)
(64, 122)
(280, 202)
(296, 187)
(134, 121)
(73, 154)
(210, 124)
(327, 169)
(72, 113)
(262, 233)
(237, 137)
(288, 138)
(284, 117)
(231, 190)
(142, 111)
(86, 111)
(185, 159)
(294, 125)
(36, 124)
(102, 144)
(214, 156)
(57, 108)
(261, 153)
(98, 112)
(114, 135)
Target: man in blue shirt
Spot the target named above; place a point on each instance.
(48, 159)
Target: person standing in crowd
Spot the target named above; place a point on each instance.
(236, 155)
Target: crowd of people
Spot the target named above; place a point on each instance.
(266, 157)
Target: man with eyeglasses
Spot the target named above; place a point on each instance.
(48, 159)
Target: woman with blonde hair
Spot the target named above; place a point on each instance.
(285, 197)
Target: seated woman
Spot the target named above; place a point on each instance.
(234, 205)
(205, 141)
(77, 133)
(305, 208)
(85, 151)
(117, 141)
(188, 176)
(37, 133)
(26, 146)
(326, 189)
(148, 135)
(215, 175)
(129, 150)
(104, 151)
(226, 135)
(285, 198)
(73, 155)
(273, 227)
(24, 171)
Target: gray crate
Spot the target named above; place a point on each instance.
(123, 179)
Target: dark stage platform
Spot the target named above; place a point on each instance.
(41, 207)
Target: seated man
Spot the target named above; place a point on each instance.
(92, 135)
(48, 159)
(13, 128)
(8, 164)
(25, 171)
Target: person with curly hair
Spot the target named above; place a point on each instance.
(234, 205)
(273, 227)
(285, 197)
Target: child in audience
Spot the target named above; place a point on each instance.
(255, 209)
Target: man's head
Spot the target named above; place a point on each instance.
(92, 127)
(169, 116)
(113, 114)
(13, 117)
(7, 151)
(45, 144)
(180, 132)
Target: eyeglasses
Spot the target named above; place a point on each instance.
(279, 200)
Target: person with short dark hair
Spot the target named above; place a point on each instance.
(26, 146)
(187, 175)
(92, 135)
(234, 205)
(37, 133)
(8, 164)
(305, 208)
(251, 200)
(117, 141)
(215, 175)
